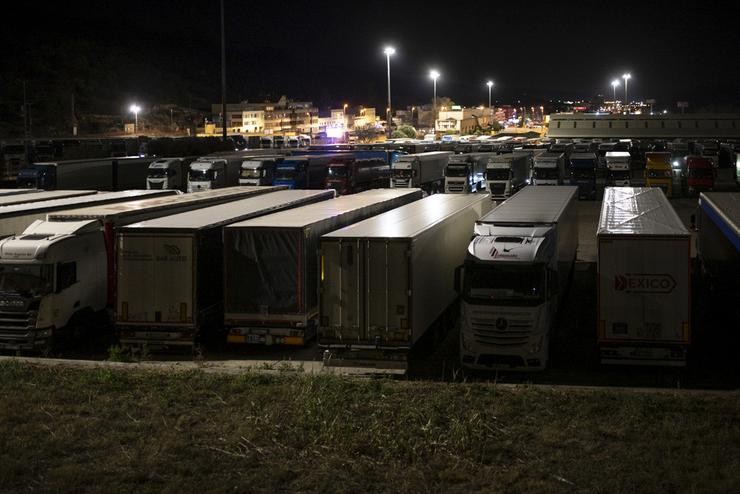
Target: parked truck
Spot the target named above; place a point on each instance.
(583, 174)
(466, 173)
(169, 173)
(549, 169)
(718, 246)
(271, 270)
(658, 172)
(170, 269)
(17, 217)
(356, 175)
(214, 172)
(42, 195)
(307, 172)
(259, 170)
(97, 173)
(14, 158)
(421, 170)
(644, 276)
(506, 174)
(13, 192)
(61, 271)
(514, 278)
(387, 281)
(700, 175)
(618, 170)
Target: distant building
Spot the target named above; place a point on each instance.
(665, 126)
(462, 120)
(282, 116)
(365, 117)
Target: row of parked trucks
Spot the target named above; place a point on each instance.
(367, 274)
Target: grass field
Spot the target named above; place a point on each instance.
(108, 430)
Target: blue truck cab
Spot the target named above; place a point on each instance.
(583, 174)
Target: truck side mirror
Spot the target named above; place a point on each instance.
(458, 279)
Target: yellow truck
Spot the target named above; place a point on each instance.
(658, 172)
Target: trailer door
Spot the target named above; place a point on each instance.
(388, 292)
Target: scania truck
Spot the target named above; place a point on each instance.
(514, 278)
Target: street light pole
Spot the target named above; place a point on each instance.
(615, 83)
(389, 50)
(135, 109)
(490, 109)
(626, 78)
(434, 75)
(223, 74)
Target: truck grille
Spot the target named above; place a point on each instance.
(455, 187)
(400, 183)
(16, 325)
(498, 189)
(491, 332)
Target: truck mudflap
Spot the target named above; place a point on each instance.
(394, 360)
(271, 336)
(670, 356)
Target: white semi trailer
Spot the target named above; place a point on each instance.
(170, 269)
(644, 279)
(45, 195)
(61, 273)
(514, 277)
(387, 280)
(271, 268)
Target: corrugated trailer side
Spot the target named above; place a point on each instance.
(644, 279)
(387, 279)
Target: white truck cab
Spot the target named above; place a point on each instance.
(45, 285)
(166, 173)
(258, 171)
(206, 174)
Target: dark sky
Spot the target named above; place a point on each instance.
(331, 52)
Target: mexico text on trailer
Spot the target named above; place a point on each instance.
(170, 269)
(644, 279)
(271, 271)
(387, 280)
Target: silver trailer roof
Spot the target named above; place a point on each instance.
(410, 157)
(129, 208)
(76, 202)
(230, 212)
(313, 213)
(617, 154)
(533, 205)
(727, 207)
(638, 211)
(46, 195)
(12, 192)
(412, 219)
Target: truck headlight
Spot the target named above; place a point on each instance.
(537, 346)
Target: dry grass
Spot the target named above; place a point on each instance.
(114, 431)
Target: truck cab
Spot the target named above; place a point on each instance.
(658, 171)
(464, 174)
(506, 174)
(259, 171)
(206, 174)
(618, 172)
(548, 169)
(45, 285)
(700, 174)
(266, 142)
(37, 176)
(166, 173)
(583, 174)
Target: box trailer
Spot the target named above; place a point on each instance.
(718, 243)
(69, 261)
(99, 173)
(45, 195)
(12, 192)
(386, 280)
(16, 218)
(271, 265)
(644, 279)
(515, 275)
(423, 170)
(170, 269)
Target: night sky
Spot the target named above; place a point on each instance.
(331, 52)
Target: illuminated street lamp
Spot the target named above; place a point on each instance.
(389, 50)
(135, 109)
(434, 75)
(626, 78)
(615, 83)
(490, 85)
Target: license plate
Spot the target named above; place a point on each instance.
(255, 338)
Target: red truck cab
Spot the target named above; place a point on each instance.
(700, 174)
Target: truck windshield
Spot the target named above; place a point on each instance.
(337, 171)
(161, 172)
(26, 279)
(546, 173)
(505, 284)
(251, 173)
(498, 174)
(200, 175)
(584, 174)
(402, 173)
(284, 174)
(456, 171)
